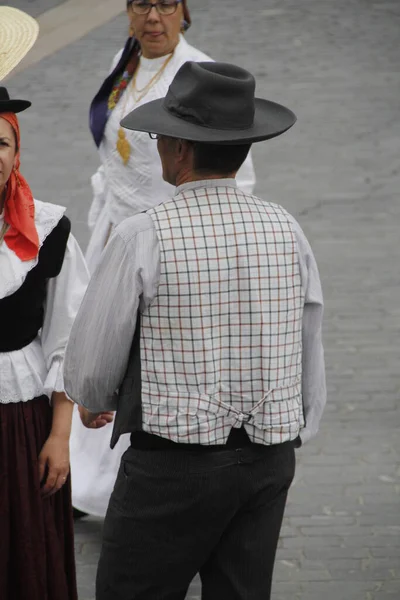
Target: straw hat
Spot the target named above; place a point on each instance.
(18, 33)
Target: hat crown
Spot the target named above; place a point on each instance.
(8, 105)
(212, 94)
(4, 95)
(212, 103)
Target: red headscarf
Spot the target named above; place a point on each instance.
(19, 209)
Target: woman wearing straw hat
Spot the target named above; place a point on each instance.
(43, 278)
(129, 181)
(18, 33)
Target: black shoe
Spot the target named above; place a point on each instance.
(78, 514)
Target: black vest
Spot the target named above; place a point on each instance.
(23, 311)
(128, 417)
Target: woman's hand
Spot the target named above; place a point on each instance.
(54, 464)
(95, 420)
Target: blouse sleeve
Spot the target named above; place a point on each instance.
(246, 177)
(64, 296)
(98, 187)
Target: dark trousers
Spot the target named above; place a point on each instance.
(176, 513)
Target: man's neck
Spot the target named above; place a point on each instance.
(188, 177)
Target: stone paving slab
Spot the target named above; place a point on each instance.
(64, 23)
(34, 7)
(337, 65)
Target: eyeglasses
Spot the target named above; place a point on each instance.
(164, 7)
(154, 136)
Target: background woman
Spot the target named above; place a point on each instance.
(42, 280)
(129, 181)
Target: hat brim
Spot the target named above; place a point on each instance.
(14, 106)
(270, 120)
(18, 33)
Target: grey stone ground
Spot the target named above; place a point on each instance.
(336, 64)
(34, 7)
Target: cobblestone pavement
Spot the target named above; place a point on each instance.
(336, 64)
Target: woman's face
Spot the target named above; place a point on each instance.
(8, 152)
(158, 34)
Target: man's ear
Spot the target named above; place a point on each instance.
(184, 150)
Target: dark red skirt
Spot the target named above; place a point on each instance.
(36, 536)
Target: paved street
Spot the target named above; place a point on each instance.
(336, 63)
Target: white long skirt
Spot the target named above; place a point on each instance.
(94, 466)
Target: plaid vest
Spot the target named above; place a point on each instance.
(220, 344)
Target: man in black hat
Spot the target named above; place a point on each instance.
(205, 315)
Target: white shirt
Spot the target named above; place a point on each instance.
(36, 369)
(127, 279)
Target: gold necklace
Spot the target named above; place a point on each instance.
(3, 232)
(152, 81)
(123, 146)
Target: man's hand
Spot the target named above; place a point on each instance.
(95, 420)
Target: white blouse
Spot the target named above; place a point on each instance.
(137, 186)
(36, 369)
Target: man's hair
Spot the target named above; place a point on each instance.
(216, 158)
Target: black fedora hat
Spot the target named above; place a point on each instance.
(212, 102)
(8, 105)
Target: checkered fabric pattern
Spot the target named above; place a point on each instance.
(221, 341)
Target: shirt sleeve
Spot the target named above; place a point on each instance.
(313, 376)
(125, 280)
(246, 177)
(63, 298)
